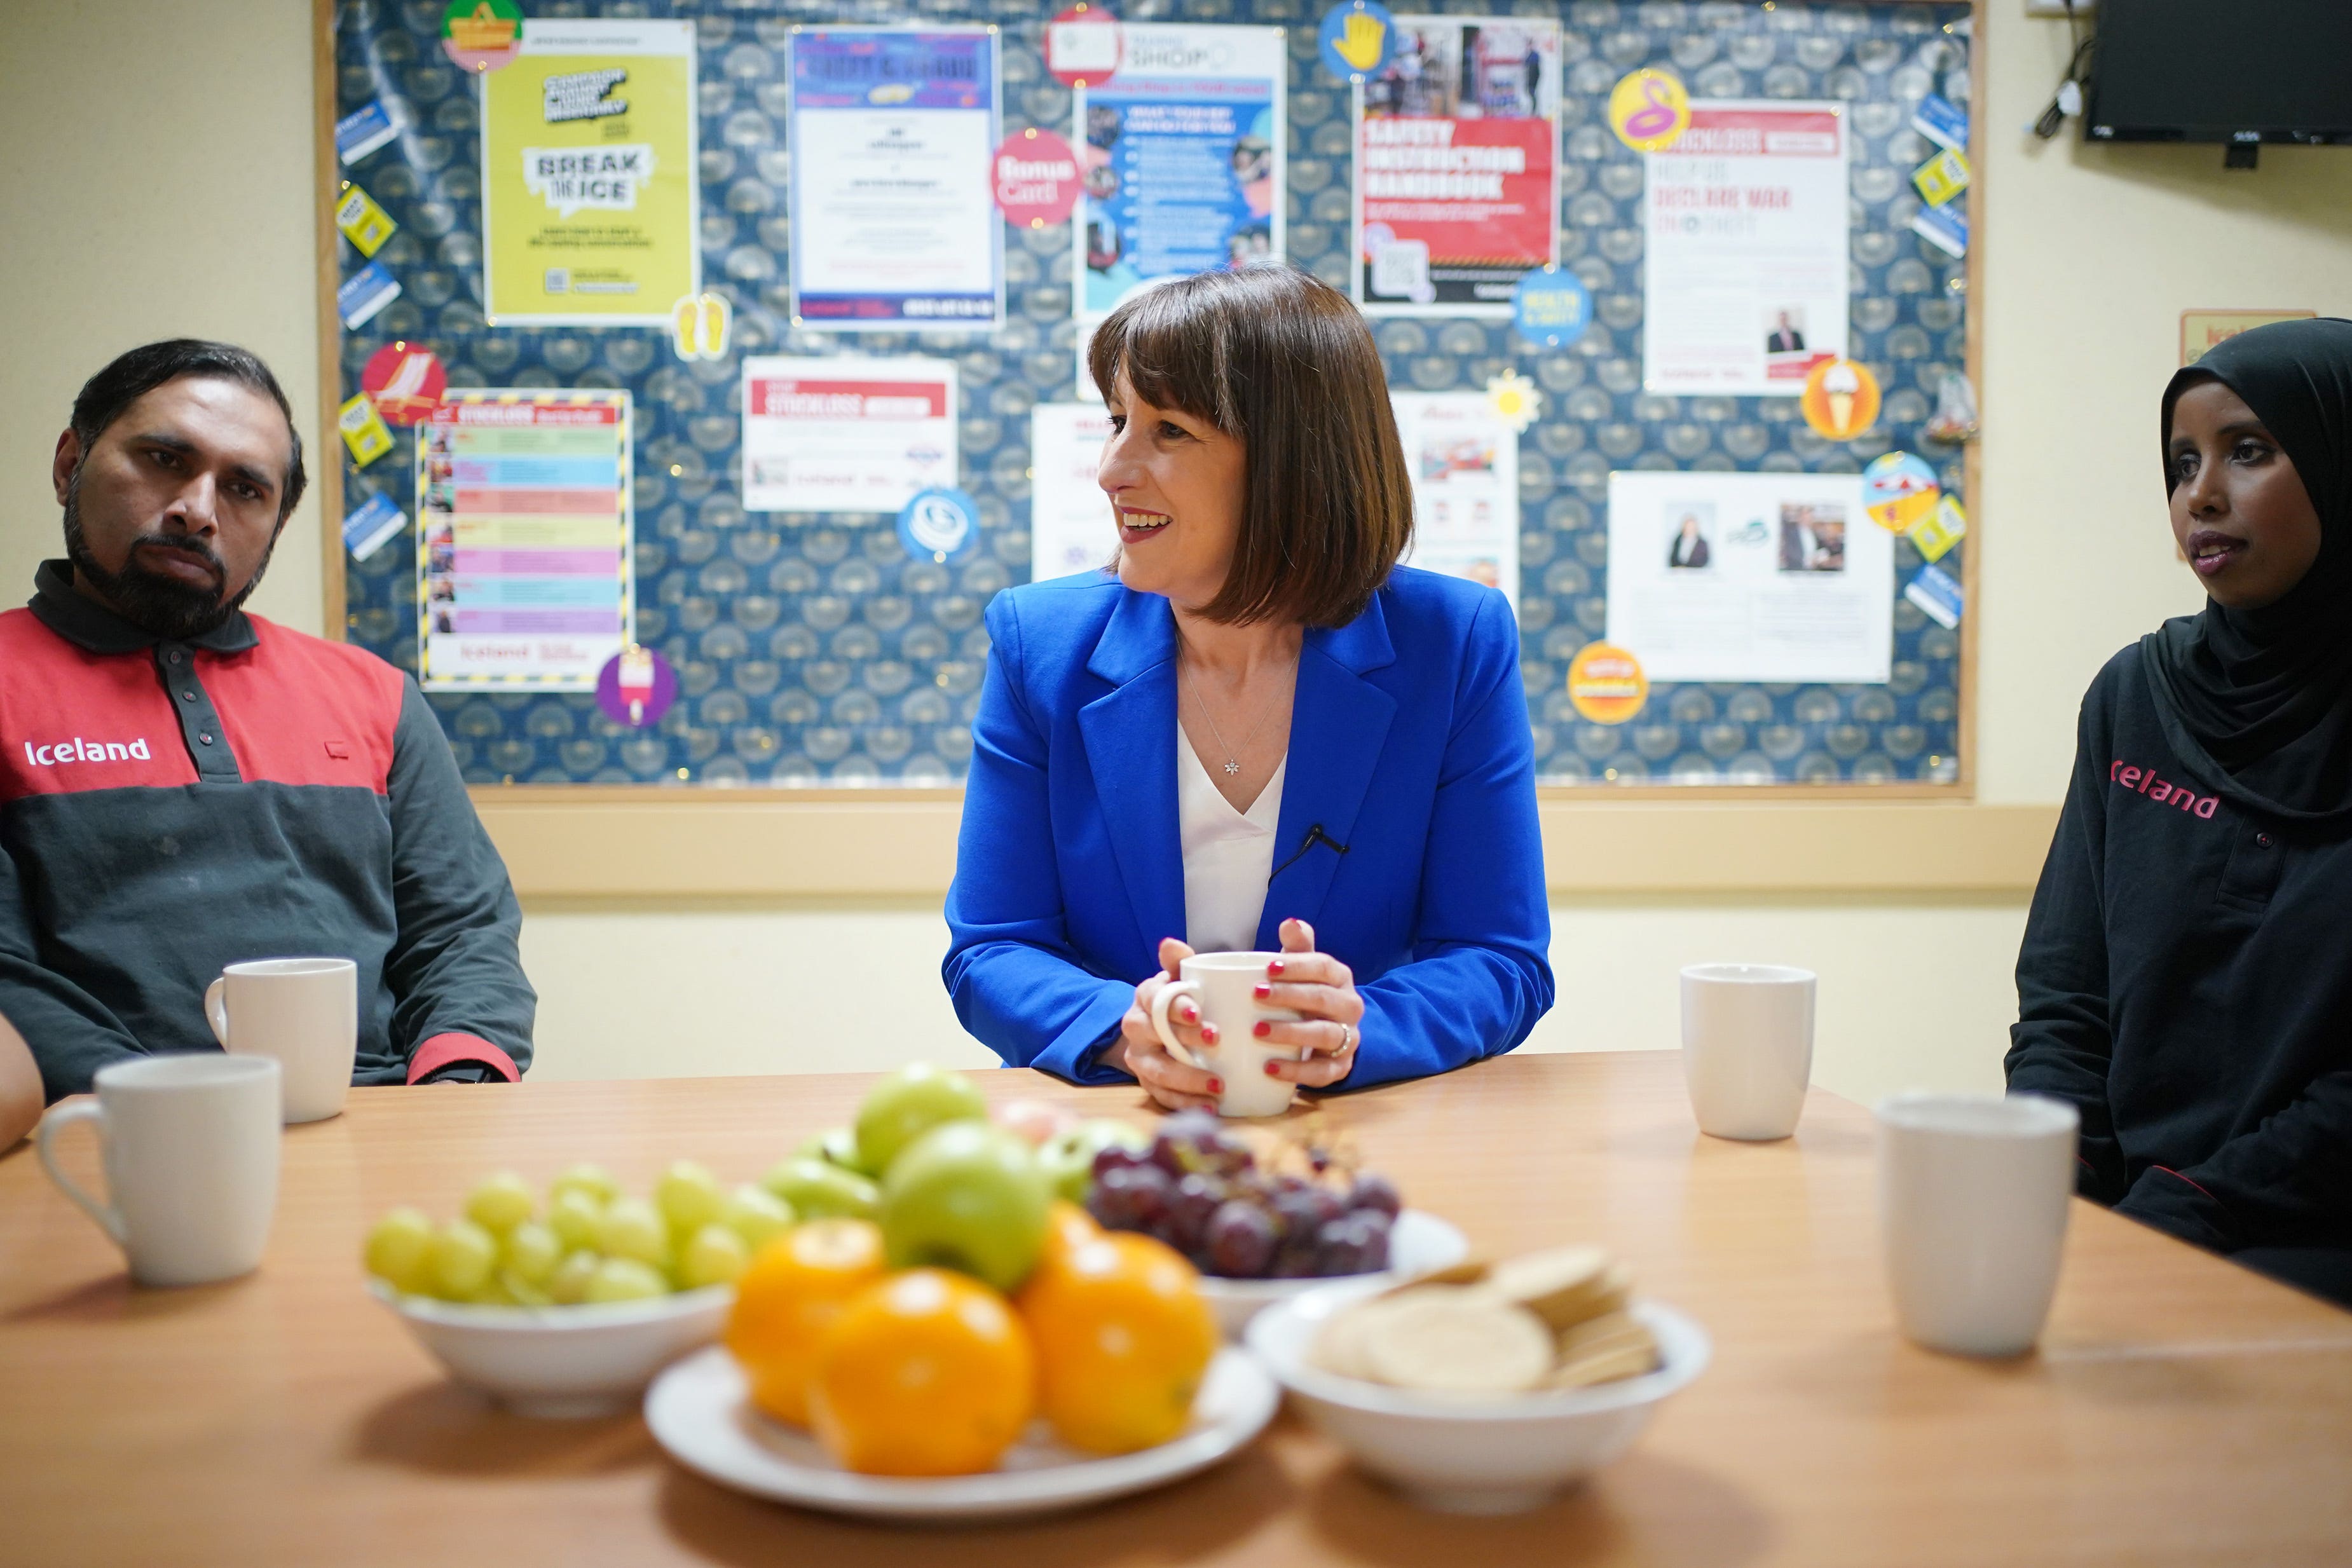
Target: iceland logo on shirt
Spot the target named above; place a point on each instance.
(79, 750)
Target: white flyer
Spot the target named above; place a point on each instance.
(1746, 274)
(1750, 577)
(846, 434)
(1465, 462)
(1070, 527)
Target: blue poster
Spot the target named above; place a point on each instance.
(1183, 158)
(892, 130)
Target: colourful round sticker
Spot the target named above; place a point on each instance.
(1649, 110)
(1551, 307)
(939, 525)
(404, 381)
(1356, 38)
(1841, 399)
(482, 35)
(1606, 684)
(1899, 489)
(1035, 179)
(1082, 46)
(636, 686)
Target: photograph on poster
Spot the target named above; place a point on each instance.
(846, 434)
(1746, 274)
(1750, 577)
(524, 510)
(892, 132)
(1183, 155)
(1457, 161)
(590, 147)
(1070, 520)
(1464, 463)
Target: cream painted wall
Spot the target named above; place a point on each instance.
(162, 184)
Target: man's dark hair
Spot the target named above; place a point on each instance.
(134, 375)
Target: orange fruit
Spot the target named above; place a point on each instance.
(926, 1374)
(1067, 1229)
(1123, 1338)
(785, 1298)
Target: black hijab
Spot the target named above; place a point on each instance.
(2258, 702)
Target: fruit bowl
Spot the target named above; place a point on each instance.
(1498, 1454)
(1419, 1243)
(561, 1362)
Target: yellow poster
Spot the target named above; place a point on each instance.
(588, 175)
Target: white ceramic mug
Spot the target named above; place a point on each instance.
(303, 1011)
(191, 1150)
(1973, 1191)
(1222, 984)
(1748, 1047)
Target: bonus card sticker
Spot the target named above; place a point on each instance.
(1356, 38)
(481, 34)
(364, 224)
(1649, 110)
(405, 381)
(1606, 684)
(1034, 177)
(1082, 46)
(362, 430)
(1935, 533)
(1841, 399)
(1899, 490)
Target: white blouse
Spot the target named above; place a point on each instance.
(1228, 854)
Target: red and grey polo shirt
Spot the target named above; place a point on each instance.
(168, 808)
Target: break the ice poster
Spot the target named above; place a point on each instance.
(891, 136)
(1183, 158)
(589, 176)
(846, 434)
(1750, 577)
(524, 519)
(1457, 166)
(1746, 276)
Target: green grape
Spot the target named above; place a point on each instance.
(756, 1215)
(500, 1203)
(494, 1293)
(592, 1179)
(573, 1215)
(521, 1291)
(625, 1280)
(689, 1196)
(632, 1228)
(400, 1251)
(463, 1255)
(714, 1257)
(531, 1252)
(568, 1286)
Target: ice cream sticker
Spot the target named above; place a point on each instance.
(1841, 399)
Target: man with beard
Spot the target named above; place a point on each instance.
(183, 786)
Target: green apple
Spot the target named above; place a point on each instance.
(835, 1146)
(815, 1189)
(908, 1103)
(1068, 1158)
(967, 1196)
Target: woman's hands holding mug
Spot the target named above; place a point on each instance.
(1316, 985)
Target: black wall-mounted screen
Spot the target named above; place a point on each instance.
(2222, 70)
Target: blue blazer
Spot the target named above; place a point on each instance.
(1409, 744)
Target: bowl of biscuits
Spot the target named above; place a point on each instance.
(1486, 1387)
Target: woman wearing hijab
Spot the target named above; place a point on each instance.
(2186, 980)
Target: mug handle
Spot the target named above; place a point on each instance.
(1160, 1026)
(108, 1218)
(216, 1010)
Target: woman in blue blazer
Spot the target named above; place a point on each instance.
(1361, 725)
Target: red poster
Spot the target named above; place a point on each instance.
(1457, 161)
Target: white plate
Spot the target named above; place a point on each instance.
(1418, 1243)
(699, 1412)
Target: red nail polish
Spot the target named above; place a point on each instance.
(1216, 1086)
(1271, 1071)
(1209, 1033)
(1274, 968)
(1191, 1013)
(1261, 990)
(1261, 1028)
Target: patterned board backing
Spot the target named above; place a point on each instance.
(812, 652)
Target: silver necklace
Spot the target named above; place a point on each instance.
(1233, 759)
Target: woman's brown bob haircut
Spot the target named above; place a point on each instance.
(1285, 364)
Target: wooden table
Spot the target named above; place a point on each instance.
(2181, 1410)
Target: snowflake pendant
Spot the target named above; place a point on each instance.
(1232, 767)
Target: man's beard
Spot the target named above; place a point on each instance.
(162, 606)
